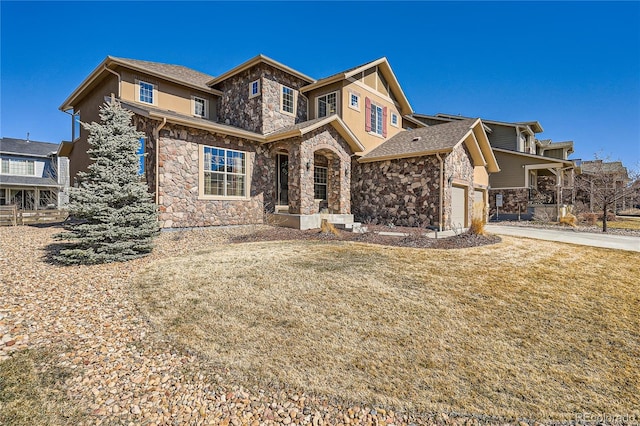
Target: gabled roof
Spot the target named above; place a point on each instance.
(188, 120)
(387, 72)
(438, 139)
(547, 144)
(175, 73)
(27, 148)
(301, 129)
(540, 158)
(255, 61)
(607, 167)
(535, 126)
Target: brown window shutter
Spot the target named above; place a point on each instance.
(384, 122)
(367, 114)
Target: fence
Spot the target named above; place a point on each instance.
(12, 216)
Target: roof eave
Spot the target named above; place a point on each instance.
(68, 103)
(207, 126)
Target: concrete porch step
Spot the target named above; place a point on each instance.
(352, 227)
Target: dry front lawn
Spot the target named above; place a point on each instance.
(520, 328)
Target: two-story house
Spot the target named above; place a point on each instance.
(263, 138)
(32, 175)
(536, 177)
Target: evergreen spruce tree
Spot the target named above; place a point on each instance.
(113, 217)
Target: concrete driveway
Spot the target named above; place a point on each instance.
(619, 242)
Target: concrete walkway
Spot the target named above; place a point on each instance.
(620, 242)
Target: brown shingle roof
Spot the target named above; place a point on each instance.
(425, 140)
(599, 166)
(175, 72)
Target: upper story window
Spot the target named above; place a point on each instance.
(354, 101)
(146, 92)
(141, 156)
(225, 172)
(287, 101)
(11, 166)
(394, 119)
(375, 118)
(327, 104)
(254, 88)
(76, 126)
(200, 107)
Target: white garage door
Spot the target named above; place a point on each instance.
(478, 204)
(458, 207)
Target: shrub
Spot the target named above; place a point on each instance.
(569, 219)
(327, 227)
(589, 218)
(477, 227)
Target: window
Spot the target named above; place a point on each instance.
(254, 88)
(200, 107)
(320, 183)
(394, 119)
(18, 167)
(354, 101)
(146, 92)
(141, 156)
(287, 101)
(75, 128)
(375, 118)
(327, 104)
(224, 172)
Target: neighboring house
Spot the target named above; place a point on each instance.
(263, 138)
(601, 180)
(32, 175)
(536, 177)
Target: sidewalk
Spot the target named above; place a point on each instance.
(618, 242)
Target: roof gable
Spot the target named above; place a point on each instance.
(175, 73)
(300, 129)
(442, 138)
(255, 61)
(382, 66)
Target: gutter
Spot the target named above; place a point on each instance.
(119, 80)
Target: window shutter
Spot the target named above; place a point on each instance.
(384, 122)
(367, 114)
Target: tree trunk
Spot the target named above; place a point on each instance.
(604, 217)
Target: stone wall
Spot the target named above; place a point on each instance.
(513, 201)
(403, 192)
(260, 114)
(273, 118)
(458, 168)
(179, 206)
(148, 127)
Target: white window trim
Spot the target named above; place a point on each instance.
(154, 93)
(357, 95)
(247, 173)
(324, 95)
(251, 94)
(193, 106)
(373, 132)
(393, 114)
(295, 100)
(9, 160)
(325, 184)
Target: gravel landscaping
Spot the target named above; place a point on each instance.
(115, 368)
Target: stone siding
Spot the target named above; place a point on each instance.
(458, 168)
(403, 192)
(179, 204)
(260, 114)
(513, 201)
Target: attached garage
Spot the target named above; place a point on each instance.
(458, 207)
(478, 204)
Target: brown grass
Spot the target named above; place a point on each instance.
(519, 328)
(623, 223)
(569, 219)
(31, 394)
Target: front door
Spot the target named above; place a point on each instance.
(282, 179)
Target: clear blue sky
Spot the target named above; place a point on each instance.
(574, 67)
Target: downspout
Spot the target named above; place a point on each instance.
(119, 80)
(157, 166)
(441, 190)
